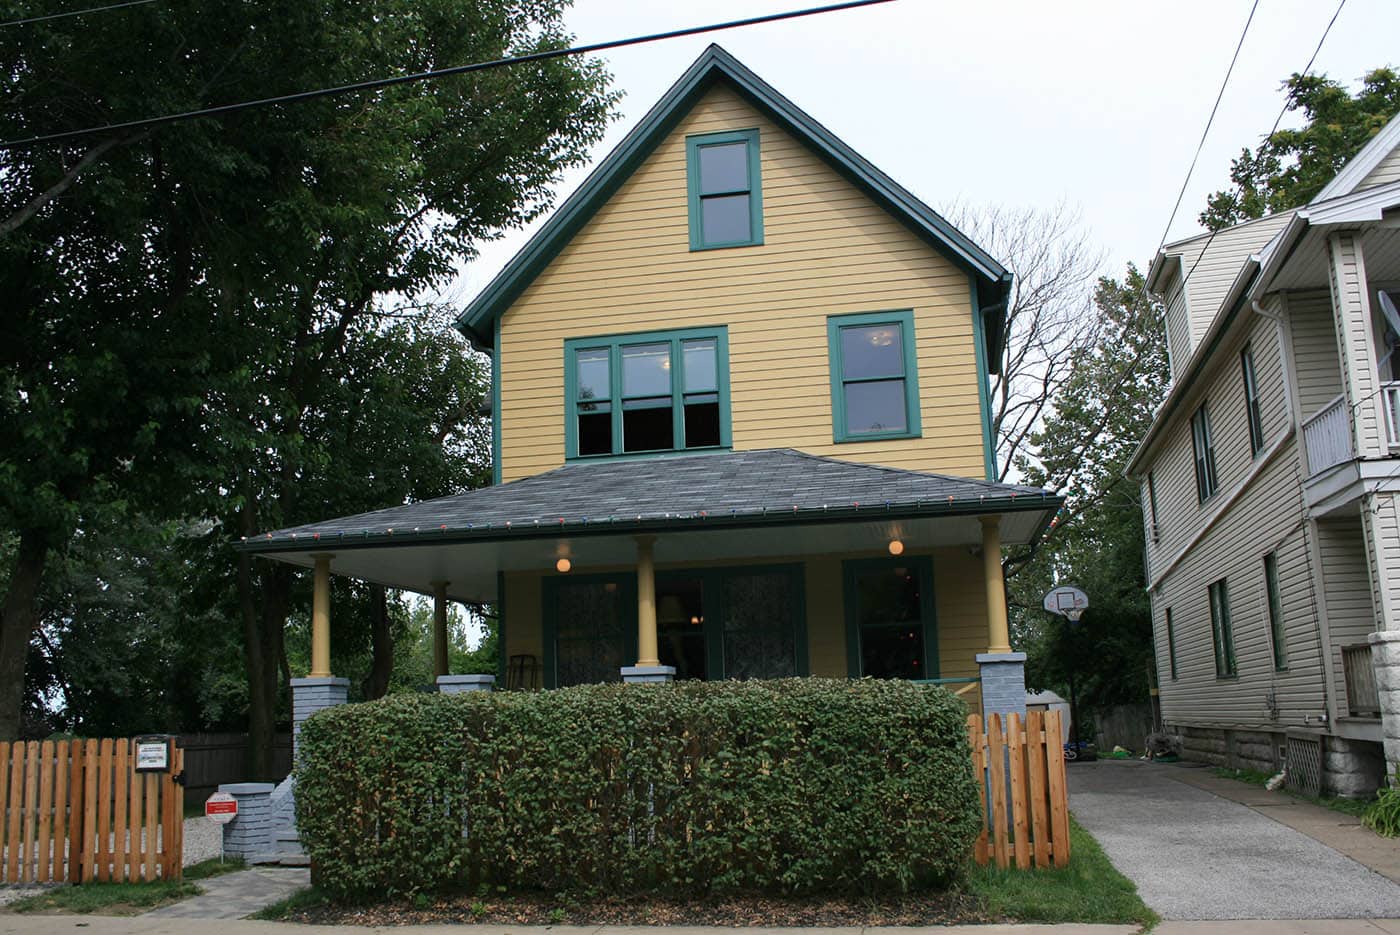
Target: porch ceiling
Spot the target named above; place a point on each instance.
(730, 506)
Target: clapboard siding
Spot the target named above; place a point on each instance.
(1180, 516)
(1314, 350)
(1347, 579)
(1179, 343)
(1388, 171)
(827, 250)
(1265, 518)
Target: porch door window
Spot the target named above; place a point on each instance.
(761, 613)
(891, 631)
(732, 623)
(590, 629)
(680, 625)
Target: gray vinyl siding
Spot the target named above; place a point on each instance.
(1347, 580)
(1314, 350)
(1388, 171)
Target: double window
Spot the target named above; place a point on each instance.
(634, 394)
(725, 194)
(1204, 452)
(1221, 632)
(874, 376)
(1251, 401)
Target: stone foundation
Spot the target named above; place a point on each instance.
(1385, 660)
(1350, 768)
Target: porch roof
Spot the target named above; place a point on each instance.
(732, 504)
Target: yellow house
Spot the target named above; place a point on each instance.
(741, 426)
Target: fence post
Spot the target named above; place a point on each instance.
(1059, 796)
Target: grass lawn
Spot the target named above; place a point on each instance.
(123, 899)
(1090, 889)
(1354, 807)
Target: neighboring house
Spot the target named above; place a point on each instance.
(1269, 481)
(740, 426)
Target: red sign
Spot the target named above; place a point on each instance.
(221, 807)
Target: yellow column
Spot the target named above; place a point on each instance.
(998, 632)
(646, 603)
(321, 619)
(439, 628)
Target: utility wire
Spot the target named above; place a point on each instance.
(95, 9)
(435, 73)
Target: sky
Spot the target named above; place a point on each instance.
(1095, 105)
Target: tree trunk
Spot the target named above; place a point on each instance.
(262, 605)
(18, 618)
(382, 641)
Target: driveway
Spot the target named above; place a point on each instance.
(1195, 855)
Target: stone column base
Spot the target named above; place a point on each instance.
(1003, 683)
(250, 834)
(644, 675)
(461, 684)
(1385, 661)
(310, 695)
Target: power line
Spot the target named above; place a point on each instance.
(95, 9)
(435, 73)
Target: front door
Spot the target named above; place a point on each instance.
(732, 623)
(890, 627)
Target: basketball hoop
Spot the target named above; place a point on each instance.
(1067, 601)
(1074, 614)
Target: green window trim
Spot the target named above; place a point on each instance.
(904, 318)
(614, 344)
(851, 570)
(1274, 599)
(694, 198)
(1222, 633)
(1171, 645)
(1203, 454)
(1253, 416)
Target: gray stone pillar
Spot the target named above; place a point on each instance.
(644, 675)
(310, 695)
(460, 684)
(1385, 661)
(1003, 683)
(250, 834)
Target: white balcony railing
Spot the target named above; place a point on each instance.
(1327, 435)
(1390, 404)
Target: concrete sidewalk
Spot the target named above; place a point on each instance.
(147, 925)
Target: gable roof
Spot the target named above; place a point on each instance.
(776, 486)
(1363, 163)
(715, 65)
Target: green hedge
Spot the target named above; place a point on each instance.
(790, 786)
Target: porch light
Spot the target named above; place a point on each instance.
(563, 565)
(896, 547)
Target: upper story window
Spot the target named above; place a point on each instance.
(1171, 645)
(1152, 528)
(1204, 453)
(1222, 633)
(1276, 630)
(874, 376)
(726, 198)
(1251, 401)
(641, 393)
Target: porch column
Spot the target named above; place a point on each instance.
(1003, 672)
(648, 667)
(320, 689)
(439, 628)
(998, 632)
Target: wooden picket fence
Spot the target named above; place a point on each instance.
(77, 810)
(1025, 802)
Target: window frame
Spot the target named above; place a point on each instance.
(693, 145)
(904, 318)
(1254, 417)
(614, 344)
(922, 565)
(1154, 529)
(1203, 454)
(1222, 630)
(1273, 602)
(1171, 645)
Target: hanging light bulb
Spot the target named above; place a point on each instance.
(896, 547)
(563, 566)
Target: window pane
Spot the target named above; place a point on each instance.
(872, 351)
(875, 407)
(593, 382)
(646, 370)
(724, 168)
(646, 425)
(680, 626)
(889, 596)
(725, 219)
(700, 365)
(590, 630)
(702, 421)
(892, 652)
(595, 430)
(760, 626)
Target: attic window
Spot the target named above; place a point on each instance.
(722, 180)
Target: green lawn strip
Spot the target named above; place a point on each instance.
(308, 898)
(1089, 890)
(123, 898)
(1353, 807)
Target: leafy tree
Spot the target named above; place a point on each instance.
(196, 312)
(1091, 432)
(1291, 166)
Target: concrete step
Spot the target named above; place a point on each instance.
(286, 848)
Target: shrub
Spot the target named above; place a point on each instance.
(1383, 815)
(790, 786)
